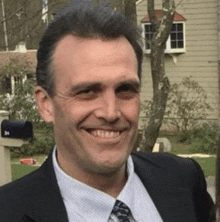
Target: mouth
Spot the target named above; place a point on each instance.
(104, 133)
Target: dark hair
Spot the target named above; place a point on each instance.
(85, 22)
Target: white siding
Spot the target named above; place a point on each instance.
(201, 58)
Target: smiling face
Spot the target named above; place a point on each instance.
(95, 108)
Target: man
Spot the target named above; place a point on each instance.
(88, 85)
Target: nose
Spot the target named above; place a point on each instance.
(108, 108)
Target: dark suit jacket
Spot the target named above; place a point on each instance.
(176, 185)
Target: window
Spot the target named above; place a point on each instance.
(148, 34)
(9, 84)
(177, 36)
(175, 42)
(16, 80)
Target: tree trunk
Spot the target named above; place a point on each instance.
(160, 80)
(130, 10)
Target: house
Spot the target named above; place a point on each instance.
(192, 48)
(22, 58)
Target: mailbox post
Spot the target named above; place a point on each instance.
(5, 157)
(15, 134)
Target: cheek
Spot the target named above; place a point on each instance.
(131, 111)
(72, 112)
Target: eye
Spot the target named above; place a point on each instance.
(127, 91)
(85, 91)
(86, 94)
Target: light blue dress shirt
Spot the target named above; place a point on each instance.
(87, 204)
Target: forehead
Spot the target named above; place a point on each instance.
(71, 44)
(93, 58)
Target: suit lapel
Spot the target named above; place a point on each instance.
(43, 201)
(172, 200)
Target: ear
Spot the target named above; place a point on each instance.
(44, 103)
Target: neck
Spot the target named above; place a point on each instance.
(111, 183)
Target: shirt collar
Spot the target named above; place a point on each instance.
(88, 201)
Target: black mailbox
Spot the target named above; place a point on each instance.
(19, 129)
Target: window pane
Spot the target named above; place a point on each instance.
(180, 36)
(180, 44)
(173, 36)
(173, 44)
(180, 27)
(6, 86)
(146, 28)
(173, 29)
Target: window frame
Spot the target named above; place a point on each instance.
(168, 43)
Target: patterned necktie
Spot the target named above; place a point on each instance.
(122, 211)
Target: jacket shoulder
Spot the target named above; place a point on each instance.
(162, 159)
(168, 165)
(29, 193)
(180, 176)
(23, 184)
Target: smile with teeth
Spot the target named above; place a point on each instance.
(105, 133)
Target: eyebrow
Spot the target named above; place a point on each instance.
(85, 85)
(136, 85)
(98, 85)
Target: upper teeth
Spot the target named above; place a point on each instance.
(105, 134)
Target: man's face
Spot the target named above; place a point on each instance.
(96, 103)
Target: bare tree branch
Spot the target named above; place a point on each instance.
(151, 14)
(29, 23)
(179, 3)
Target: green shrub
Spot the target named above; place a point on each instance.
(37, 146)
(202, 139)
(21, 105)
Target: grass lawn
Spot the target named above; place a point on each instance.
(20, 170)
(207, 165)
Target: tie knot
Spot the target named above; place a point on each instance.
(122, 211)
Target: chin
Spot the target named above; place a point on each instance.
(111, 167)
(109, 171)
